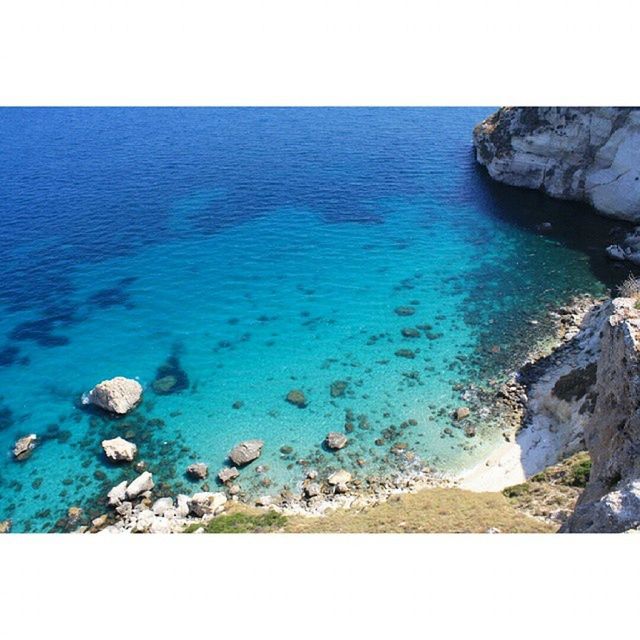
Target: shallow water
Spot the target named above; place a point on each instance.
(259, 251)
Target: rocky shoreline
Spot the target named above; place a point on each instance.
(132, 507)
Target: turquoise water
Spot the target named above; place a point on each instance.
(259, 251)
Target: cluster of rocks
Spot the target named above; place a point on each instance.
(628, 250)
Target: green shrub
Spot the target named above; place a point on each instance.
(579, 473)
(242, 523)
(516, 490)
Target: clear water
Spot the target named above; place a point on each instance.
(264, 250)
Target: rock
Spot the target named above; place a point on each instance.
(470, 431)
(297, 398)
(207, 503)
(24, 446)
(312, 474)
(339, 477)
(182, 508)
(118, 395)
(615, 252)
(140, 466)
(404, 311)
(461, 413)
(118, 494)
(161, 506)
(144, 482)
(264, 501)
(311, 489)
(405, 353)
(233, 489)
(337, 388)
(246, 452)
(341, 487)
(100, 521)
(5, 526)
(545, 227)
(410, 332)
(164, 385)
(611, 498)
(119, 449)
(576, 153)
(227, 474)
(615, 512)
(73, 515)
(335, 440)
(198, 470)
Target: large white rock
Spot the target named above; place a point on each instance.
(118, 395)
(118, 449)
(24, 446)
(207, 503)
(144, 482)
(118, 494)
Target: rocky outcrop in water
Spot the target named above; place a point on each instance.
(574, 153)
(118, 395)
(246, 452)
(118, 449)
(24, 446)
(611, 499)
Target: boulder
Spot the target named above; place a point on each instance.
(227, 474)
(161, 506)
(24, 446)
(339, 477)
(118, 395)
(461, 413)
(297, 398)
(182, 508)
(264, 501)
(311, 489)
(100, 521)
(246, 452)
(5, 526)
(144, 482)
(198, 471)
(335, 440)
(118, 494)
(338, 387)
(118, 449)
(207, 503)
(615, 252)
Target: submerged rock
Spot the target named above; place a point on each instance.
(164, 385)
(24, 446)
(410, 332)
(198, 471)
(227, 474)
(297, 398)
(335, 440)
(338, 387)
(405, 353)
(144, 482)
(119, 449)
(461, 413)
(404, 311)
(246, 452)
(118, 395)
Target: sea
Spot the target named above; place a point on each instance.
(224, 257)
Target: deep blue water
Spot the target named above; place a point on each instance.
(257, 251)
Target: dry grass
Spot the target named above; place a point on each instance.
(428, 511)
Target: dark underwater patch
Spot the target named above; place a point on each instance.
(170, 377)
(8, 356)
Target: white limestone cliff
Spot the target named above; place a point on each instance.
(591, 154)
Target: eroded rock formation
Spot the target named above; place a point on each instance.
(575, 153)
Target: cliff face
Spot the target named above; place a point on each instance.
(575, 153)
(611, 499)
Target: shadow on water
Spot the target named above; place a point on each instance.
(575, 225)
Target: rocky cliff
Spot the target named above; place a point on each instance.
(611, 499)
(575, 153)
